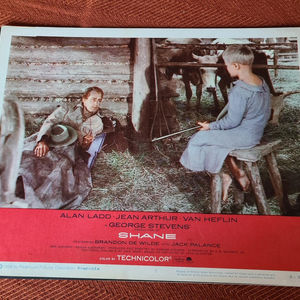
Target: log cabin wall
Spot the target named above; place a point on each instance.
(46, 71)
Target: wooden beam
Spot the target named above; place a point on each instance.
(141, 84)
(67, 56)
(62, 88)
(195, 64)
(223, 46)
(116, 71)
(256, 153)
(31, 107)
(38, 42)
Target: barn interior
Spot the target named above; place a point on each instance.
(133, 173)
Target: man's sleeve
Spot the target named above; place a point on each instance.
(54, 118)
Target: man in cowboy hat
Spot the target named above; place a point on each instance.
(53, 172)
(85, 118)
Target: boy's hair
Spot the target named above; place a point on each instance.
(91, 89)
(241, 54)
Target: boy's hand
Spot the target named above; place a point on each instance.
(41, 149)
(205, 125)
(87, 140)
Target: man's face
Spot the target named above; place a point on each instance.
(92, 102)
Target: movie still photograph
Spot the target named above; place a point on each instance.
(200, 125)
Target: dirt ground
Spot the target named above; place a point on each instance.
(155, 181)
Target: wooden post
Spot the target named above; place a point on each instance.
(141, 85)
(12, 127)
(275, 178)
(216, 193)
(238, 195)
(275, 62)
(257, 187)
(239, 198)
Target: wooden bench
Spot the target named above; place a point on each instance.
(250, 157)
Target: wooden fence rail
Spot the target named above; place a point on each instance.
(271, 46)
(194, 64)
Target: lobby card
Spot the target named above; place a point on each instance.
(136, 213)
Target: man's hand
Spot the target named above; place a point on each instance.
(87, 140)
(41, 149)
(205, 125)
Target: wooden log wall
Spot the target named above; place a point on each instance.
(48, 70)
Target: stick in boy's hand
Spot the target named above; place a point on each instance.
(174, 133)
(205, 125)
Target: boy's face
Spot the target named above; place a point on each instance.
(232, 68)
(92, 102)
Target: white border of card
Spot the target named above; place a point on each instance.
(131, 272)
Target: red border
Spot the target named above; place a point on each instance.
(219, 241)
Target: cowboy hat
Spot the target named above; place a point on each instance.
(62, 135)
